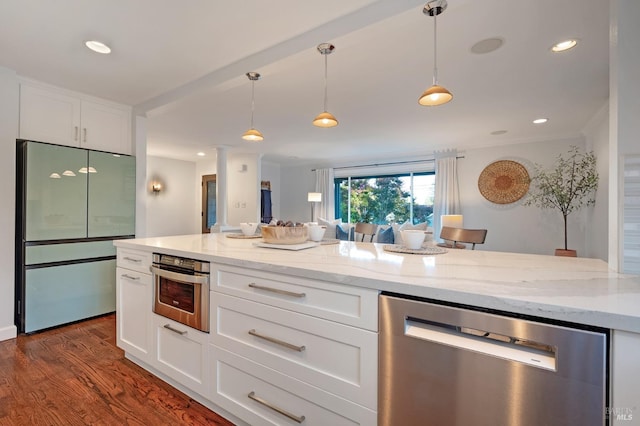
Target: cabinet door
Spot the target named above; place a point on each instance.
(55, 200)
(134, 295)
(112, 193)
(48, 116)
(105, 127)
(182, 353)
(62, 294)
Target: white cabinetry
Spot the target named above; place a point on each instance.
(285, 348)
(181, 352)
(134, 295)
(66, 118)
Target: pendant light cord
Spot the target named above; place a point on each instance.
(253, 85)
(435, 47)
(325, 82)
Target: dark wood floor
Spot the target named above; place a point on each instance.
(75, 375)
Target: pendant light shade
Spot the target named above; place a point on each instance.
(252, 135)
(325, 119)
(435, 95)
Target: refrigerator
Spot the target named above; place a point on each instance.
(71, 203)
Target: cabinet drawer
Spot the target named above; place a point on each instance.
(342, 303)
(135, 260)
(337, 358)
(234, 378)
(181, 353)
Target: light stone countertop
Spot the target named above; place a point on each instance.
(577, 290)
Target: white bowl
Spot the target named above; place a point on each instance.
(412, 238)
(248, 228)
(316, 232)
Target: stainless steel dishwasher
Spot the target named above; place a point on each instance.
(443, 365)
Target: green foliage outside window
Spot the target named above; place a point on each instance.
(382, 200)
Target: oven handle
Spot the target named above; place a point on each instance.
(193, 279)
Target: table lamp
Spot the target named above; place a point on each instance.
(314, 197)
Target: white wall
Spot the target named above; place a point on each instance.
(296, 183)
(171, 212)
(8, 133)
(513, 227)
(597, 139)
(243, 188)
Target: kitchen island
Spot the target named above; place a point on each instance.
(572, 290)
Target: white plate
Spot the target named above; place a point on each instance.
(300, 246)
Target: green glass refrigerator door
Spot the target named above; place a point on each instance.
(112, 193)
(56, 192)
(63, 294)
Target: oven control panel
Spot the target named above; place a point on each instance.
(181, 263)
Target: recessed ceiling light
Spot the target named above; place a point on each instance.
(487, 45)
(201, 154)
(498, 132)
(540, 120)
(564, 45)
(98, 46)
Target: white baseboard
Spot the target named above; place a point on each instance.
(9, 332)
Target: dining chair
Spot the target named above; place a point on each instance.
(461, 235)
(366, 229)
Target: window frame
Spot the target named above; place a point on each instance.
(338, 180)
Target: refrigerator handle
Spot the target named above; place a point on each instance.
(75, 137)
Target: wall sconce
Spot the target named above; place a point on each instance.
(156, 188)
(314, 197)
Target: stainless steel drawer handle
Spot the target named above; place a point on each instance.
(287, 345)
(277, 290)
(267, 404)
(168, 327)
(131, 277)
(131, 259)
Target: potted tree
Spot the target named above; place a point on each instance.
(569, 186)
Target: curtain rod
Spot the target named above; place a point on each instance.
(394, 163)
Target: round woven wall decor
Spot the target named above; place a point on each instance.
(504, 182)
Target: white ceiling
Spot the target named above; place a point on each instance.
(183, 64)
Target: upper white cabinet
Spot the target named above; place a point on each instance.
(66, 118)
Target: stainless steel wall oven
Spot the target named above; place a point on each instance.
(181, 290)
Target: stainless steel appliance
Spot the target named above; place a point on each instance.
(181, 289)
(443, 365)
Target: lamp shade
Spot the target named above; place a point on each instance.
(434, 96)
(252, 135)
(452, 220)
(325, 119)
(314, 197)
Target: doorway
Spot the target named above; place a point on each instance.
(208, 202)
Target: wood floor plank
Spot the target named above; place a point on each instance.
(76, 375)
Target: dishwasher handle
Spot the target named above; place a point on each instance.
(454, 336)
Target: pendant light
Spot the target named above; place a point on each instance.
(435, 95)
(252, 134)
(325, 119)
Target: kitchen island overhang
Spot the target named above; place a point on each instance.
(576, 290)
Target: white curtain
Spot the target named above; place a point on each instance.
(447, 195)
(324, 185)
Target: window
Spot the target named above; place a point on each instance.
(386, 199)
